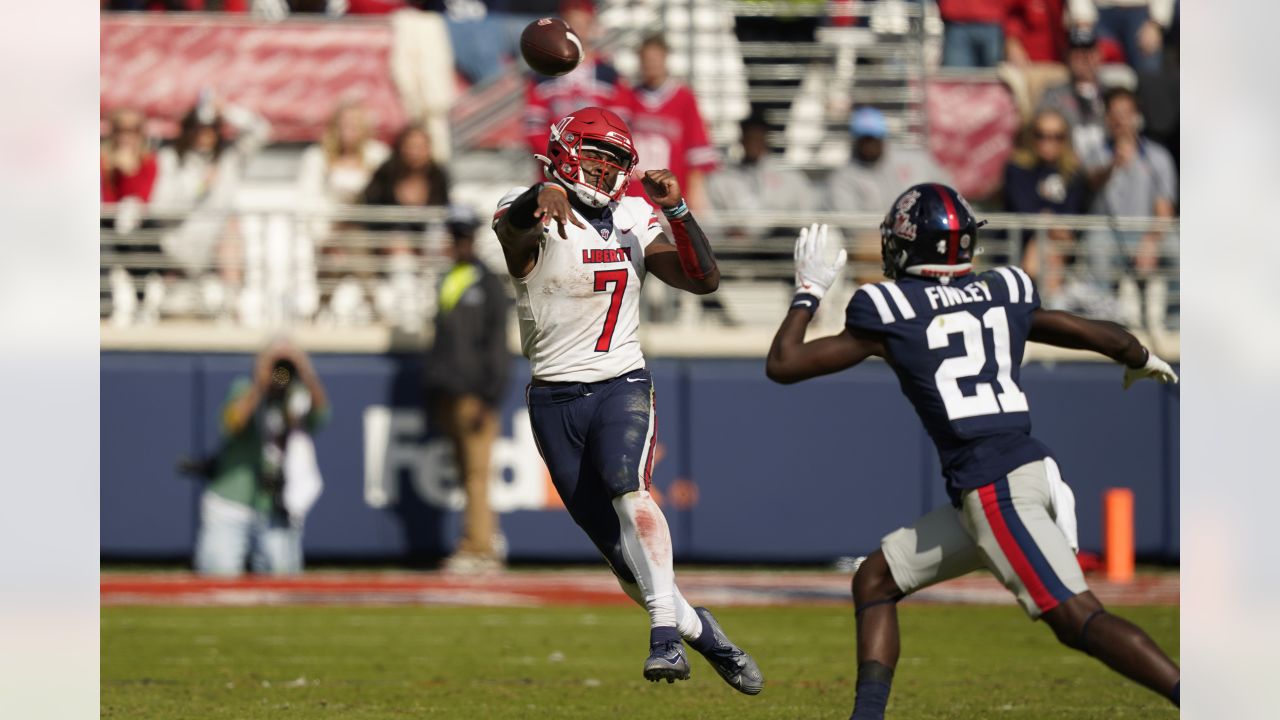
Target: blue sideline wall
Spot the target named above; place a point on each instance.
(749, 471)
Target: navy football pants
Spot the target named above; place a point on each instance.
(597, 440)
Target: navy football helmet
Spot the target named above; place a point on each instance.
(930, 231)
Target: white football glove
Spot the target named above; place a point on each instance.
(815, 274)
(1155, 368)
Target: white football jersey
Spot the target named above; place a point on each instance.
(579, 308)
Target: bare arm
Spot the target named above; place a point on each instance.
(688, 264)
(310, 379)
(520, 227)
(1055, 327)
(791, 359)
(237, 412)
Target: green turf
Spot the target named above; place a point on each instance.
(364, 663)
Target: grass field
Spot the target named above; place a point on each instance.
(361, 663)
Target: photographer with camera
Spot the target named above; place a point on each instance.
(264, 478)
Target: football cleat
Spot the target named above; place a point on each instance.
(666, 661)
(734, 665)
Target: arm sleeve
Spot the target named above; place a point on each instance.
(505, 204)
(1013, 287)
(868, 310)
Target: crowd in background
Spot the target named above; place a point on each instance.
(1088, 147)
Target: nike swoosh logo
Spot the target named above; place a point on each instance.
(673, 661)
(635, 379)
(804, 303)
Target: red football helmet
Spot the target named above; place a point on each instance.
(593, 129)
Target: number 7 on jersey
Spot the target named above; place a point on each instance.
(619, 280)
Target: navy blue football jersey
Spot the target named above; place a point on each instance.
(957, 349)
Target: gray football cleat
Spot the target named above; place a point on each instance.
(666, 661)
(734, 665)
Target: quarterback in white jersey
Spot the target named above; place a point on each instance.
(578, 252)
(579, 307)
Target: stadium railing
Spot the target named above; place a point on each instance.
(363, 278)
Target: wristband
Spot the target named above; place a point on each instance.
(805, 301)
(555, 185)
(676, 212)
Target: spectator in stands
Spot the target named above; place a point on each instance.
(757, 183)
(593, 83)
(1043, 176)
(200, 175)
(464, 375)
(1139, 26)
(1131, 176)
(1079, 100)
(127, 168)
(264, 478)
(667, 128)
(877, 172)
(974, 32)
(485, 34)
(336, 170)
(409, 178)
(1034, 32)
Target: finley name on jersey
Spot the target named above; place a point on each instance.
(947, 296)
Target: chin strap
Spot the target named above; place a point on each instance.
(696, 258)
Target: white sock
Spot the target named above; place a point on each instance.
(687, 621)
(646, 548)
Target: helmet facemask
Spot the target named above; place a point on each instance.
(604, 171)
(607, 170)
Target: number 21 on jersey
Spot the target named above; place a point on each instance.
(984, 401)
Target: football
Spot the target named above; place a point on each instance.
(550, 47)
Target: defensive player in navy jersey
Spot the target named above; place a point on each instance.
(955, 339)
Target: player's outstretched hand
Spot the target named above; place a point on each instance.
(815, 273)
(553, 204)
(1154, 368)
(662, 188)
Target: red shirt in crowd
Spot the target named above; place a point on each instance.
(1038, 26)
(974, 11)
(116, 185)
(592, 84)
(669, 133)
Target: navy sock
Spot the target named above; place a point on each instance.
(704, 642)
(874, 682)
(1174, 695)
(663, 634)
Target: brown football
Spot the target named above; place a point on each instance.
(550, 46)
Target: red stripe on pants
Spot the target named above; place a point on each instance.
(991, 508)
(653, 442)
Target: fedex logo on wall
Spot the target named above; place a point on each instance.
(394, 445)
